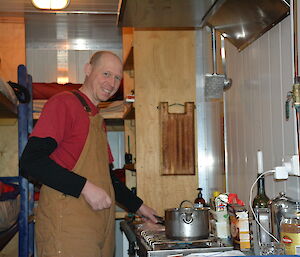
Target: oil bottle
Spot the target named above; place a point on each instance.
(199, 201)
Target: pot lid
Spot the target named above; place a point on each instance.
(281, 201)
(187, 209)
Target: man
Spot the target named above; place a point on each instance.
(68, 152)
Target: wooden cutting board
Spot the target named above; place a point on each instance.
(177, 134)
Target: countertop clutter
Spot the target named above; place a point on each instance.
(150, 240)
(222, 228)
(147, 239)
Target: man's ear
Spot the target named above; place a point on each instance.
(87, 69)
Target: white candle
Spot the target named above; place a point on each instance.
(260, 166)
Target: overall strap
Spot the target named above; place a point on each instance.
(87, 108)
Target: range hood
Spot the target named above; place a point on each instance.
(162, 13)
(242, 21)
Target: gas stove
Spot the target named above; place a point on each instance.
(154, 243)
(157, 240)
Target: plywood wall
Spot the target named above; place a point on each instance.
(164, 72)
(12, 54)
(9, 150)
(262, 76)
(12, 46)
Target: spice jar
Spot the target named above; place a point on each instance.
(290, 230)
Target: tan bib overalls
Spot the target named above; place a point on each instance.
(67, 226)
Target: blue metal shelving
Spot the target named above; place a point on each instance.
(25, 123)
(25, 224)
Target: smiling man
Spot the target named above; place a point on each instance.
(69, 154)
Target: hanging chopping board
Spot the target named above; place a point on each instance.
(177, 135)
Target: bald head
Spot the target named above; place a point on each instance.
(98, 56)
(103, 76)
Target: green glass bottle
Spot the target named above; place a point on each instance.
(261, 199)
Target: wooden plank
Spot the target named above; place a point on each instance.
(177, 142)
(8, 121)
(9, 149)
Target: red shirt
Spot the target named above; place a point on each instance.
(65, 120)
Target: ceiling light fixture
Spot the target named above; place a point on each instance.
(51, 4)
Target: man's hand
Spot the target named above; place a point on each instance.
(147, 212)
(96, 197)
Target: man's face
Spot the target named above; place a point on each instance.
(104, 78)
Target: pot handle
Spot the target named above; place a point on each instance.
(187, 218)
(187, 202)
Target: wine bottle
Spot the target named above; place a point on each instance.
(261, 199)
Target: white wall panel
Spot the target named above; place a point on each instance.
(77, 60)
(276, 112)
(42, 64)
(255, 111)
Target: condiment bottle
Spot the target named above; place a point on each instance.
(290, 230)
(199, 201)
(212, 200)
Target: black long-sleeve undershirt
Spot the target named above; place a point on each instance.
(36, 164)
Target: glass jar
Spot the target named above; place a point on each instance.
(290, 230)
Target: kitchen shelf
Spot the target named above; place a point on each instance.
(109, 110)
(117, 110)
(25, 225)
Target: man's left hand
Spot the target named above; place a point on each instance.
(148, 213)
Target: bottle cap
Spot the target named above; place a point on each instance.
(216, 193)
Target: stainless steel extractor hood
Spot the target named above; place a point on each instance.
(162, 13)
(242, 21)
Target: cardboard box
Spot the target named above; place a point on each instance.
(219, 224)
(239, 227)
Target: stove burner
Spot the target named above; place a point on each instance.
(157, 240)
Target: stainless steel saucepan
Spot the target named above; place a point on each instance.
(187, 223)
